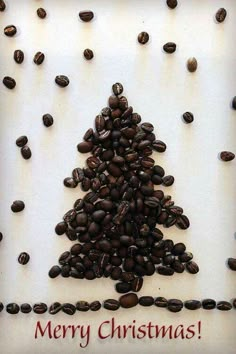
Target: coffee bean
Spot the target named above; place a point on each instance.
(143, 37)
(146, 301)
(172, 3)
(178, 266)
(23, 258)
(17, 206)
(9, 82)
(165, 270)
(221, 15)
(22, 141)
(192, 267)
(2, 5)
(70, 182)
(192, 64)
(26, 152)
(178, 249)
(168, 181)
(188, 117)
(62, 80)
(82, 306)
(69, 309)
(169, 47)
(26, 308)
(185, 257)
(88, 54)
(234, 303)
(224, 306)
(1, 236)
(54, 271)
(175, 305)
(47, 120)
(18, 56)
(55, 308)
(85, 147)
(128, 300)
(39, 58)
(233, 104)
(161, 302)
(123, 287)
(41, 13)
(117, 89)
(227, 156)
(95, 306)
(10, 30)
(232, 263)
(61, 228)
(64, 258)
(159, 146)
(111, 304)
(208, 304)
(69, 215)
(192, 304)
(183, 222)
(86, 15)
(12, 308)
(40, 308)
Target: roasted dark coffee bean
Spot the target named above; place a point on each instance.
(89, 275)
(23, 258)
(192, 304)
(10, 30)
(64, 258)
(78, 174)
(116, 273)
(40, 308)
(113, 102)
(233, 104)
(26, 152)
(208, 304)
(88, 54)
(54, 271)
(128, 300)
(221, 15)
(123, 103)
(62, 80)
(227, 156)
(147, 127)
(183, 222)
(178, 266)
(1, 236)
(188, 117)
(41, 13)
(86, 15)
(117, 88)
(12, 308)
(17, 206)
(159, 146)
(192, 64)
(99, 123)
(18, 56)
(69, 215)
(146, 301)
(88, 134)
(2, 5)
(175, 305)
(55, 308)
(69, 309)
(82, 306)
(224, 306)
(9, 82)
(169, 47)
(85, 146)
(61, 228)
(47, 120)
(128, 277)
(22, 141)
(159, 171)
(168, 180)
(93, 162)
(185, 257)
(26, 308)
(165, 270)
(161, 302)
(70, 182)
(95, 306)
(234, 303)
(143, 37)
(232, 263)
(111, 304)
(123, 287)
(39, 58)
(192, 267)
(168, 259)
(172, 3)
(178, 249)
(65, 271)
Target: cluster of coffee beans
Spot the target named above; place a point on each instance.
(125, 301)
(25, 150)
(115, 222)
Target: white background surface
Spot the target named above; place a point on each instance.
(160, 89)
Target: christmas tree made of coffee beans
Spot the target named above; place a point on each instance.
(116, 221)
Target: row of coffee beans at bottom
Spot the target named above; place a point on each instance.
(126, 301)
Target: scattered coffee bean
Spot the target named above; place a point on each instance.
(175, 305)
(69, 309)
(95, 306)
(10, 30)
(26, 152)
(26, 308)
(192, 304)
(17, 206)
(41, 13)
(2, 5)
(192, 267)
(47, 120)
(227, 156)
(12, 308)
(232, 263)
(111, 304)
(22, 141)
(55, 308)
(169, 47)
(172, 3)
(23, 258)
(86, 15)
(233, 104)
(143, 37)
(221, 15)
(18, 56)
(192, 64)
(224, 306)
(128, 300)
(117, 88)
(9, 82)
(161, 302)
(146, 301)
(88, 54)
(39, 58)
(62, 80)
(188, 117)
(54, 271)
(40, 308)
